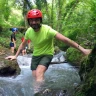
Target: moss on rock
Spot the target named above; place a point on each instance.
(7, 67)
(88, 76)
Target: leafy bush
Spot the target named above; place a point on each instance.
(74, 56)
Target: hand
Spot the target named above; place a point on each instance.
(87, 51)
(11, 57)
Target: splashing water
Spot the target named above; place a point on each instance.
(58, 76)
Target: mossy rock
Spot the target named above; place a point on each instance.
(88, 76)
(8, 67)
(74, 56)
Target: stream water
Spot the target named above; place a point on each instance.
(58, 76)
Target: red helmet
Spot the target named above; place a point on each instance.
(34, 13)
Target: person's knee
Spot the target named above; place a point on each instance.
(39, 73)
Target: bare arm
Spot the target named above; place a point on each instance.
(72, 44)
(22, 45)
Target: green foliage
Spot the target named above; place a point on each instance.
(4, 12)
(79, 94)
(9, 16)
(74, 19)
(16, 18)
(71, 18)
(74, 56)
(4, 38)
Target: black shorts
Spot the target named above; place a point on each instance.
(44, 60)
(11, 44)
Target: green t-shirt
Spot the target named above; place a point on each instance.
(42, 40)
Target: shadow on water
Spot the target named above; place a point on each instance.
(58, 76)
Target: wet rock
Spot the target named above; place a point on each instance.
(88, 76)
(59, 58)
(7, 67)
(52, 92)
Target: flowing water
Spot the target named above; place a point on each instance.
(58, 76)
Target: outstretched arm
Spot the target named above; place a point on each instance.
(72, 44)
(22, 45)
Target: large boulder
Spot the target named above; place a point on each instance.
(8, 67)
(60, 57)
(88, 76)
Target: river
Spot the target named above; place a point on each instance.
(58, 76)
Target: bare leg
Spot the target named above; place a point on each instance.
(34, 74)
(12, 50)
(28, 45)
(40, 73)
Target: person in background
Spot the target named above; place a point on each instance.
(42, 37)
(29, 44)
(13, 39)
(25, 48)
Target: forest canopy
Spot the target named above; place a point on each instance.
(73, 18)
